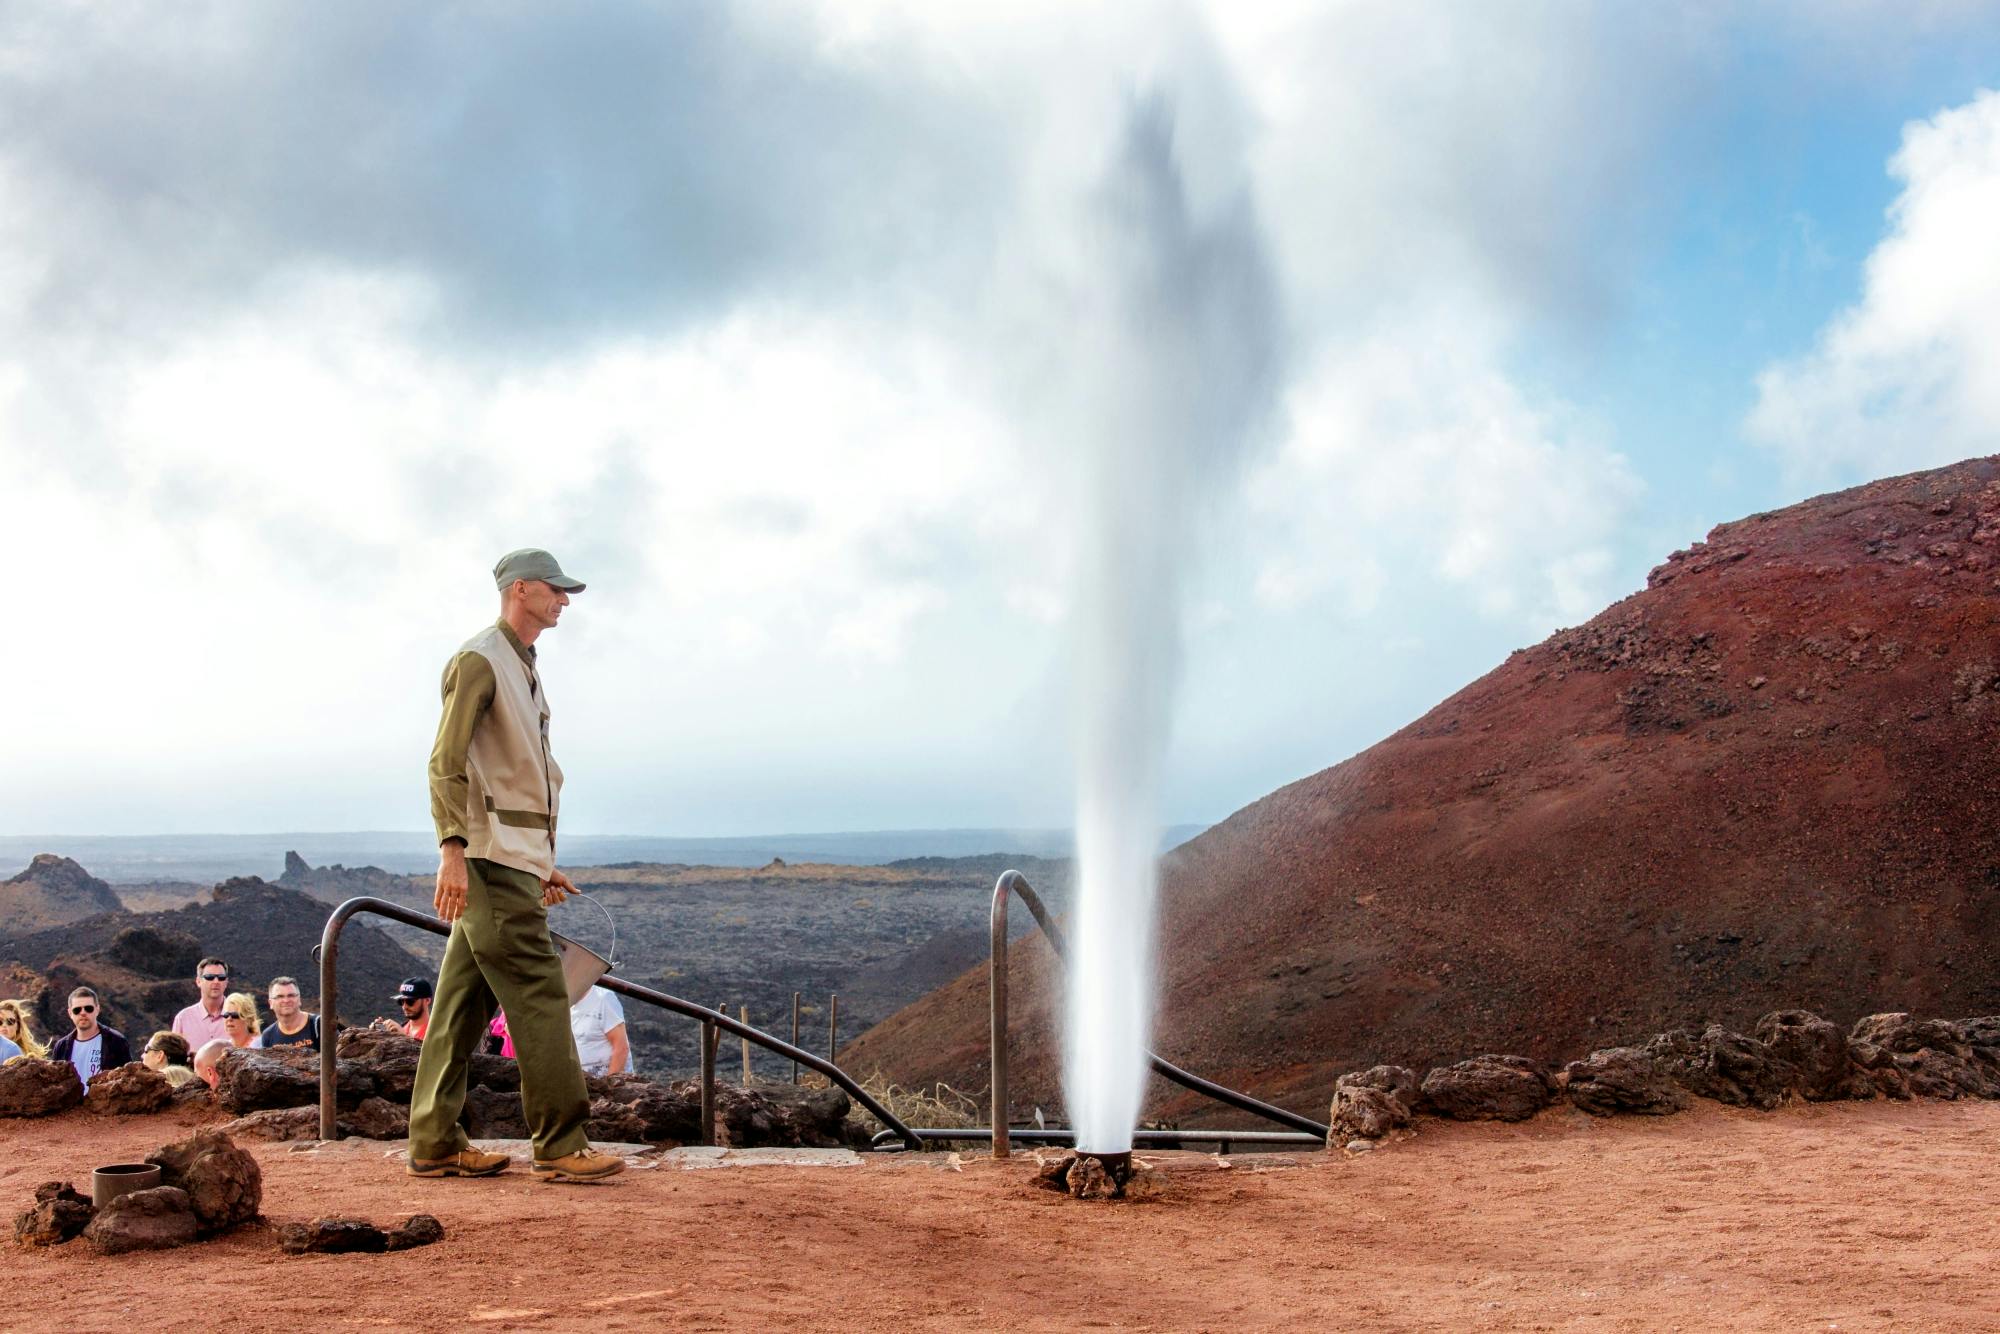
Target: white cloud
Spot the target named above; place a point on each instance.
(1909, 376)
(1411, 460)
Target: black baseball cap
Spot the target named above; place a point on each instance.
(414, 988)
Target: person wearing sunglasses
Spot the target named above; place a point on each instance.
(204, 1021)
(90, 1047)
(14, 1027)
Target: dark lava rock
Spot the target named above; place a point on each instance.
(1876, 1068)
(1053, 1173)
(144, 1220)
(38, 1088)
(223, 1182)
(1981, 1032)
(1901, 1033)
(194, 1093)
(1722, 1065)
(57, 1215)
(155, 952)
(374, 1118)
(1817, 1051)
(491, 1114)
(389, 1059)
(416, 1230)
(332, 1236)
(656, 1113)
(253, 1079)
(1622, 1079)
(1489, 1088)
(129, 1090)
(1368, 1104)
(777, 1115)
(1088, 1180)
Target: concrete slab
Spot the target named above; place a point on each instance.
(694, 1157)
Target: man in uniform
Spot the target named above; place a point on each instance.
(495, 794)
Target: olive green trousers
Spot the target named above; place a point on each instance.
(500, 955)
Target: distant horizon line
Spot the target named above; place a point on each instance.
(907, 830)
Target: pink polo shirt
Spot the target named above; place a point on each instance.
(197, 1027)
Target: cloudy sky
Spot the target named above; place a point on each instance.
(773, 319)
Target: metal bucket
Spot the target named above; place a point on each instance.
(109, 1182)
(583, 966)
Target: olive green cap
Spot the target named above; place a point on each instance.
(533, 563)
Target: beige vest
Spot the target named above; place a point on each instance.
(514, 784)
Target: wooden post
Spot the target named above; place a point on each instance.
(709, 1034)
(833, 1026)
(743, 1013)
(795, 1034)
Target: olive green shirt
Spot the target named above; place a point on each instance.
(468, 691)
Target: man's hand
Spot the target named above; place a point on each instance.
(556, 888)
(450, 897)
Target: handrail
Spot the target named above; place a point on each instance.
(1015, 883)
(329, 1127)
(1158, 1139)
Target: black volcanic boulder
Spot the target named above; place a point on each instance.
(1932, 1058)
(1728, 1067)
(372, 1118)
(129, 1090)
(58, 1214)
(777, 1115)
(639, 1110)
(38, 1088)
(1368, 1104)
(492, 1114)
(1622, 1079)
(390, 1060)
(144, 1220)
(223, 1182)
(1489, 1088)
(254, 1078)
(1817, 1051)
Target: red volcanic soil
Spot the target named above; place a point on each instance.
(1770, 779)
(1868, 1216)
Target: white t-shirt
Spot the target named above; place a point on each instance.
(589, 1020)
(87, 1057)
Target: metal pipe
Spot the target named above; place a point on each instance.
(744, 1012)
(610, 982)
(833, 1026)
(1016, 883)
(795, 1034)
(1158, 1139)
(709, 1040)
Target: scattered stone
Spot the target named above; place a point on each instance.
(1489, 1088)
(58, 1214)
(1622, 1079)
(223, 1182)
(1368, 1104)
(38, 1088)
(129, 1090)
(416, 1230)
(332, 1236)
(144, 1220)
(1089, 1181)
(1149, 1183)
(1359, 1146)
(1053, 1173)
(374, 1118)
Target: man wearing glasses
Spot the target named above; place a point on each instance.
(203, 1022)
(495, 796)
(91, 1047)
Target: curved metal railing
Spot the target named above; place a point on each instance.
(329, 944)
(1013, 882)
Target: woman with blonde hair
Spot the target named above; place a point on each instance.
(167, 1054)
(14, 1027)
(239, 1017)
